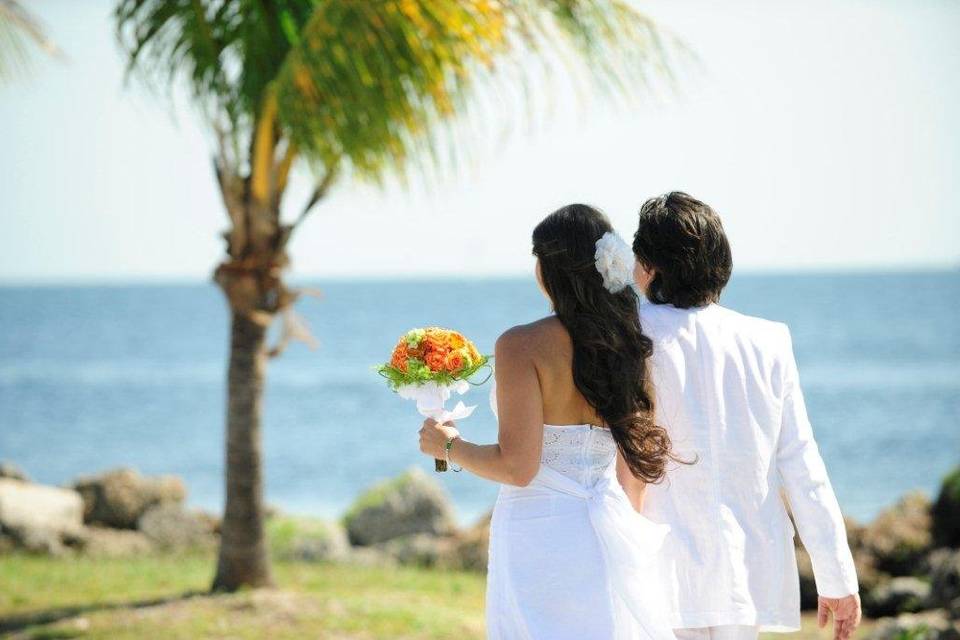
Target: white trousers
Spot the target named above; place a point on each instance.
(724, 632)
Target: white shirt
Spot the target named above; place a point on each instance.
(727, 391)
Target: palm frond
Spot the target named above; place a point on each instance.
(372, 85)
(169, 40)
(19, 31)
(373, 82)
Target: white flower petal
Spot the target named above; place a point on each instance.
(614, 260)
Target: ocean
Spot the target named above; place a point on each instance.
(93, 377)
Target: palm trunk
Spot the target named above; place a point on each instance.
(243, 557)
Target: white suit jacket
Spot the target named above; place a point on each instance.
(728, 393)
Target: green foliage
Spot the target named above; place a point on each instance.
(951, 485)
(919, 632)
(419, 373)
(369, 84)
(304, 538)
(946, 511)
(284, 531)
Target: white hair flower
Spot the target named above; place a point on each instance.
(614, 260)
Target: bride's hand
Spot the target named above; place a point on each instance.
(434, 436)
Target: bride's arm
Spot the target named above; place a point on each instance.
(515, 459)
(634, 487)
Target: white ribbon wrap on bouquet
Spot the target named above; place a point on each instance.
(432, 397)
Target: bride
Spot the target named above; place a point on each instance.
(570, 557)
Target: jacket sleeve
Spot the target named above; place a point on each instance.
(812, 501)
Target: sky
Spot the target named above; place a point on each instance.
(824, 133)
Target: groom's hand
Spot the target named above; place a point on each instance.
(845, 611)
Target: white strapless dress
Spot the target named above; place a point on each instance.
(569, 556)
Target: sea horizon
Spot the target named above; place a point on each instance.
(295, 278)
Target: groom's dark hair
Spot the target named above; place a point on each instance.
(683, 240)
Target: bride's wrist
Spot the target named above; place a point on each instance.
(450, 444)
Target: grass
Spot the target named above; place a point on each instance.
(165, 597)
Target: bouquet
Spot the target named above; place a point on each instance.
(429, 365)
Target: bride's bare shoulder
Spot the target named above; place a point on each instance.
(545, 334)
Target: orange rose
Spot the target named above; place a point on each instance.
(399, 359)
(454, 361)
(433, 344)
(435, 360)
(437, 342)
(456, 340)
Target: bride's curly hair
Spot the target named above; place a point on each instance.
(610, 350)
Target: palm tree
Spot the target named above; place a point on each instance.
(19, 29)
(358, 88)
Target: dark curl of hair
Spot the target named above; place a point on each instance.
(610, 350)
(683, 240)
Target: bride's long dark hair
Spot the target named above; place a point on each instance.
(610, 350)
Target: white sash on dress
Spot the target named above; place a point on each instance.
(629, 543)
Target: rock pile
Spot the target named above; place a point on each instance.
(908, 561)
(118, 498)
(908, 557)
(118, 512)
(406, 520)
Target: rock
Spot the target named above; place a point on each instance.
(118, 498)
(417, 549)
(411, 503)
(470, 548)
(37, 540)
(371, 557)
(307, 539)
(867, 574)
(855, 532)
(954, 609)
(170, 527)
(11, 471)
(899, 595)
(944, 577)
(899, 537)
(34, 515)
(929, 625)
(104, 541)
(946, 512)
(932, 560)
(211, 522)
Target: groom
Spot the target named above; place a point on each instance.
(728, 392)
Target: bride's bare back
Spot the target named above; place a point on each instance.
(551, 352)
